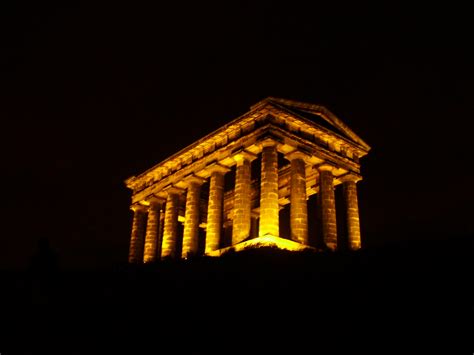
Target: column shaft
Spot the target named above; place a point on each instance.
(170, 232)
(328, 209)
(269, 207)
(352, 214)
(161, 229)
(135, 254)
(152, 229)
(298, 202)
(191, 220)
(214, 211)
(242, 202)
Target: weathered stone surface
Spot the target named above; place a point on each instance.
(135, 254)
(352, 213)
(328, 207)
(214, 211)
(298, 202)
(269, 207)
(161, 229)
(152, 230)
(170, 232)
(191, 220)
(242, 201)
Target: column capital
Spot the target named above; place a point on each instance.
(241, 155)
(156, 201)
(326, 167)
(193, 179)
(297, 154)
(350, 177)
(138, 207)
(216, 167)
(171, 189)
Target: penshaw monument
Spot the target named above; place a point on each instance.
(228, 189)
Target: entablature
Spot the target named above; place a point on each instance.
(286, 143)
(216, 145)
(291, 131)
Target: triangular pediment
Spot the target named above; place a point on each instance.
(316, 114)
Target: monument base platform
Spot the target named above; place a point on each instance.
(265, 241)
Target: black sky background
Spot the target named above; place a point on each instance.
(92, 94)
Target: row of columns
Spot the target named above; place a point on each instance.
(242, 219)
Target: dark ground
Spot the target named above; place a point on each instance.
(402, 298)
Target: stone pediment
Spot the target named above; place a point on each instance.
(318, 115)
(294, 118)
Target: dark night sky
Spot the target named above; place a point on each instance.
(91, 95)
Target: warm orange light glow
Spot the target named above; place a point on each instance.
(320, 153)
(265, 241)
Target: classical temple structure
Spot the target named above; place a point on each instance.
(227, 189)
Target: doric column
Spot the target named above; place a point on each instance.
(269, 206)
(241, 222)
(298, 201)
(135, 253)
(328, 206)
(215, 207)
(191, 216)
(170, 232)
(152, 230)
(160, 234)
(352, 210)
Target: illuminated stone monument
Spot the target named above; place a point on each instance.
(279, 153)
